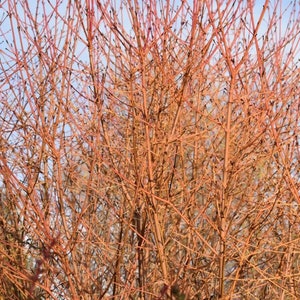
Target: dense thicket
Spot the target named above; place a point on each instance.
(149, 149)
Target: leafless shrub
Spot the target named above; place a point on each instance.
(149, 149)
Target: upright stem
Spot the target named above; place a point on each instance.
(153, 202)
(152, 205)
(224, 200)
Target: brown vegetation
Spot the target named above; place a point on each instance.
(149, 150)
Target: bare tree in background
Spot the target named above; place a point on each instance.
(149, 150)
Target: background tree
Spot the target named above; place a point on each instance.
(149, 149)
